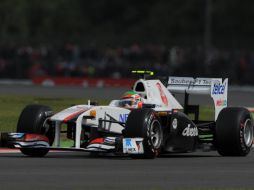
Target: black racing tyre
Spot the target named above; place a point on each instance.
(234, 132)
(145, 124)
(32, 120)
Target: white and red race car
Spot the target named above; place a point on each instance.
(159, 125)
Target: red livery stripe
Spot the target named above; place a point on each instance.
(74, 114)
(97, 141)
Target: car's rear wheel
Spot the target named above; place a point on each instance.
(234, 132)
(145, 124)
(33, 119)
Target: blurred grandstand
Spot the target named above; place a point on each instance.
(107, 39)
(74, 61)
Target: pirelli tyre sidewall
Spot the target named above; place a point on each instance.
(144, 123)
(234, 132)
(33, 120)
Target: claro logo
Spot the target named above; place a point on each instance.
(221, 103)
(218, 89)
(190, 132)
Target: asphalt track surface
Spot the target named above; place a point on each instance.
(72, 170)
(200, 170)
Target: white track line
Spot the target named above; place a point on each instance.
(8, 150)
(251, 110)
(13, 150)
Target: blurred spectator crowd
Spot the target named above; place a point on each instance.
(76, 61)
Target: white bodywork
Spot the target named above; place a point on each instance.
(102, 112)
(156, 93)
(153, 92)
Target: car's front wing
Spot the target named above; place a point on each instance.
(103, 144)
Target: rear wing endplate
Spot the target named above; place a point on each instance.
(215, 87)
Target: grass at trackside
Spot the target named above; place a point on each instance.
(206, 113)
(11, 107)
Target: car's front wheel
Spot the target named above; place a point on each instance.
(145, 124)
(33, 120)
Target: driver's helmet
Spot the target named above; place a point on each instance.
(131, 100)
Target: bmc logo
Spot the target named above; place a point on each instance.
(218, 89)
(123, 117)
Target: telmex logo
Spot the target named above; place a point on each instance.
(218, 89)
(128, 142)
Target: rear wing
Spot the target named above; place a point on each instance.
(216, 88)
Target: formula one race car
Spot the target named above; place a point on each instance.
(144, 123)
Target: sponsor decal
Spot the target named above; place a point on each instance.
(183, 81)
(123, 117)
(202, 81)
(133, 146)
(128, 142)
(190, 81)
(190, 132)
(162, 94)
(218, 89)
(221, 103)
(174, 123)
(129, 147)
